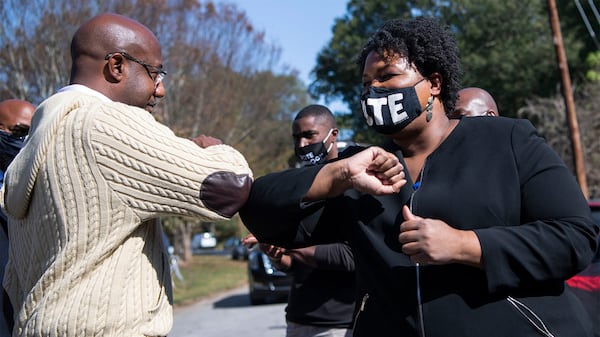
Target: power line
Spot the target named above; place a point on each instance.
(587, 22)
(594, 10)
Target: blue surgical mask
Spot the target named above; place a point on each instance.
(9, 147)
(388, 111)
(316, 153)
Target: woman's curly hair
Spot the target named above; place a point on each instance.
(425, 43)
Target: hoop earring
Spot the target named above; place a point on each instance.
(428, 109)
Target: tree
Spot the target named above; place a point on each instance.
(506, 48)
(223, 78)
(32, 63)
(549, 116)
(511, 56)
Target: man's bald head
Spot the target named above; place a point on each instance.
(111, 54)
(475, 102)
(106, 33)
(15, 113)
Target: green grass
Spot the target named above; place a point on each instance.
(206, 275)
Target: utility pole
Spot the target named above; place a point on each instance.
(568, 97)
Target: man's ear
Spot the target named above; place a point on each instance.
(115, 68)
(436, 84)
(334, 133)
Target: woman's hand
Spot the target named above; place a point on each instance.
(372, 171)
(431, 241)
(376, 171)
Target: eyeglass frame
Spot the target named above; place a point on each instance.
(160, 73)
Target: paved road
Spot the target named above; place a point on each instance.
(229, 315)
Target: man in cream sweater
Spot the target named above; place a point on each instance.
(82, 197)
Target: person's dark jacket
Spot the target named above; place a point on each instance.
(323, 296)
(495, 176)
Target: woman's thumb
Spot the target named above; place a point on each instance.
(407, 214)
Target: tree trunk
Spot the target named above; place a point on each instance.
(184, 238)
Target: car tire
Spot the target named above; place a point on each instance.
(256, 300)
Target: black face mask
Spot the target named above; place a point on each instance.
(9, 147)
(312, 154)
(388, 111)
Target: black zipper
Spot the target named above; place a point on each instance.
(363, 304)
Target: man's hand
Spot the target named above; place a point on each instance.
(205, 141)
(278, 255)
(249, 241)
(273, 252)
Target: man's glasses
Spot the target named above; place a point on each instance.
(150, 69)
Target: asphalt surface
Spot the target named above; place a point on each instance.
(229, 314)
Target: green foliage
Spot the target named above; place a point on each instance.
(593, 61)
(512, 56)
(506, 47)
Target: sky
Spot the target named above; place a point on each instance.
(301, 28)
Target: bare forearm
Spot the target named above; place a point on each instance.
(373, 171)
(332, 180)
(283, 263)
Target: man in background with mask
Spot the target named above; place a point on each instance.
(15, 119)
(321, 300)
(315, 135)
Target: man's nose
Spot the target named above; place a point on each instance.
(303, 142)
(376, 83)
(159, 91)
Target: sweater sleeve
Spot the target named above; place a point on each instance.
(556, 236)
(154, 171)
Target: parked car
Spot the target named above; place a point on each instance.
(240, 251)
(229, 243)
(236, 249)
(586, 285)
(266, 283)
(204, 240)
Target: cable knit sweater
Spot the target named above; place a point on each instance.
(86, 256)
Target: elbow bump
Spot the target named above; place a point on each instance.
(225, 192)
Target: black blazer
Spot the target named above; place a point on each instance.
(494, 176)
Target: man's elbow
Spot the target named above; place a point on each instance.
(225, 192)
